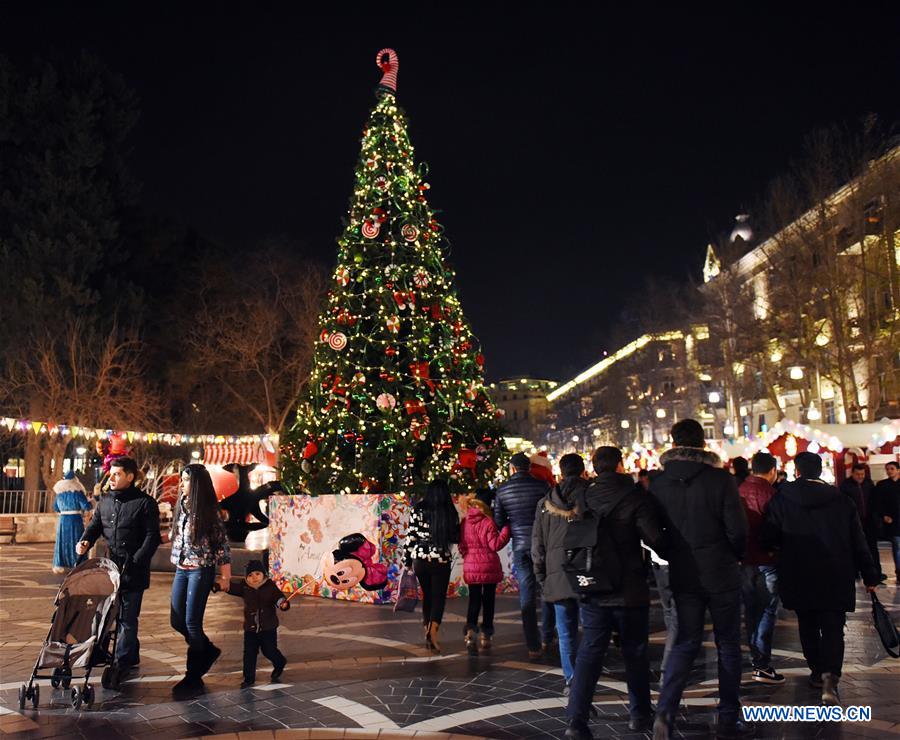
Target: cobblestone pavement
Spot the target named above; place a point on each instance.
(363, 668)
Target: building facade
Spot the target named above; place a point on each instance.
(804, 325)
(525, 406)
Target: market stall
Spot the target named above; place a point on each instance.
(839, 445)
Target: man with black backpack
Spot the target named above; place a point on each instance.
(608, 573)
(706, 531)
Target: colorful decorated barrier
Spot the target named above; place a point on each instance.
(306, 532)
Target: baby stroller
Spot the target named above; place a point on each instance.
(82, 633)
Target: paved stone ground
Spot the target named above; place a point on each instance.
(363, 667)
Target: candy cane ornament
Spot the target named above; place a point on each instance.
(389, 67)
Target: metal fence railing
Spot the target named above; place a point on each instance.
(26, 502)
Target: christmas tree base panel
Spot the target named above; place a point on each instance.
(305, 530)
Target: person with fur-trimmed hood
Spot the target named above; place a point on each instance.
(625, 516)
(479, 542)
(554, 512)
(706, 530)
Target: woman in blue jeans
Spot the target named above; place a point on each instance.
(199, 545)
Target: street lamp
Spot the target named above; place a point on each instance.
(813, 413)
(195, 454)
(714, 397)
(729, 429)
(624, 424)
(660, 413)
(796, 372)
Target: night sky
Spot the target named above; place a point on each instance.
(571, 151)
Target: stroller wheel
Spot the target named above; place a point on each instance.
(106, 677)
(55, 680)
(88, 696)
(35, 696)
(76, 698)
(65, 675)
(22, 695)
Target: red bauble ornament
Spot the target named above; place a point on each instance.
(310, 450)
(390, 351)
(479, 358)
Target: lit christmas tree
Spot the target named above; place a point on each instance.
(396, 394)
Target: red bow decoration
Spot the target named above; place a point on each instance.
(414, 407)
(421, 371)
(467, 459)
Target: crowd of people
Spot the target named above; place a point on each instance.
(734, 545)
(716, 542)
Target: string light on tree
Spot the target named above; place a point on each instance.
(396, 394)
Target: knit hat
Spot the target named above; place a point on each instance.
(255, 566)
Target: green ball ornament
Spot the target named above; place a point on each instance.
(358, 258)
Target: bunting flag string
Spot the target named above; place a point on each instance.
(26, 426)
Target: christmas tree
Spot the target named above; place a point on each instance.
(396, 393)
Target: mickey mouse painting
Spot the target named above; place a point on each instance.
(353, 565)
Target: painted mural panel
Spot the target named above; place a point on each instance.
(304, 532)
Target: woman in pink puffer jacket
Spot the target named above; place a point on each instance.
(479, 542)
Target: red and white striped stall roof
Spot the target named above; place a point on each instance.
(242, 454)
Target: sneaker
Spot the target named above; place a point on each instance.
(767, 675)
(662, 730)
(276, 673)
(247, 683)
(737, 729)
(566, 689)
(535, 654)
(830, 695)
(640, 723)
(815, 680)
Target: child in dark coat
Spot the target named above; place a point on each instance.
(261, 598)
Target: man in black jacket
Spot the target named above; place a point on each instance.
(887, 498)
(129, 520)
(515, 504)
(706, 532)
(821, 548)
(860, 489)
(548, 553)
(629, 516)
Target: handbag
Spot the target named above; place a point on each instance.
(407, 591)
(884, 625)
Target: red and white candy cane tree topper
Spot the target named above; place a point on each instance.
(389, 66)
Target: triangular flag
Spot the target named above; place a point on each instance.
(130, 436)
(76, 431)
(36, 425)
(10, 423)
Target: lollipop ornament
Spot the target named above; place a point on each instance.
(388, 63)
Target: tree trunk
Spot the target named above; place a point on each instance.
(32, 461)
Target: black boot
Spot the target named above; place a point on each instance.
(207, 657)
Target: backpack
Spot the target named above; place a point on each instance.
(592, 562)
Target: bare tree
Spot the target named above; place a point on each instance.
(77, 377)
(835, 298)
(253, 332)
